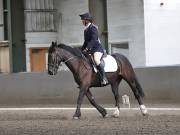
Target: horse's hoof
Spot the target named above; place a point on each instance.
(106, 116)
(104, 113)
(145, 113)
(76, 118)
(115, 115)
(143, 109)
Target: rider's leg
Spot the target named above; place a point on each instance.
(100, 66)
(97, 57)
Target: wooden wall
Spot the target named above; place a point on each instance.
(4, 59)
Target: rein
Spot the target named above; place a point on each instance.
(77, 57)
(70, 58)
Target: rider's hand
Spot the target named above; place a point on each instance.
(85, 50)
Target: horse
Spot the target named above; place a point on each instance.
(86, 78)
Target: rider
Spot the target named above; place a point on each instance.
(92, 44)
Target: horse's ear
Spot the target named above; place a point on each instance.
(54, 44)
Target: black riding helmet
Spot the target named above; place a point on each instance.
(86, 16)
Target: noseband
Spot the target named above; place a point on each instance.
(53, 65)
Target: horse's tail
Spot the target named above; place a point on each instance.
(139, 88)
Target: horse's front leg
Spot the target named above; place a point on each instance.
(93, 102)
(82, 92)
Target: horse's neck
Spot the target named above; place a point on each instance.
(71, 61)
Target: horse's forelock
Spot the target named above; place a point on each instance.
(50, 50)
(52, 47)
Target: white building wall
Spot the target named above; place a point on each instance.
(162, 32)
(126, 24)
(70, 28)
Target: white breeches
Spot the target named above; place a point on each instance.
(97, 57)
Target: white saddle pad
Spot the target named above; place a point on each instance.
(110, 64)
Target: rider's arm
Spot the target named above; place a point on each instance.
(84, 46)
(93, 39)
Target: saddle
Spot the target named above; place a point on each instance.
(109, 62)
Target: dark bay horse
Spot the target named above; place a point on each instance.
(86, 78)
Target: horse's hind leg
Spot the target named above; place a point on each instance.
(137, 90)
(93, 102)
(115, 91)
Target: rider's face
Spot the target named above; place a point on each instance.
(85, 22)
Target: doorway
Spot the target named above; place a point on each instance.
(38, 59)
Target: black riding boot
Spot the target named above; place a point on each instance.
(100, 68)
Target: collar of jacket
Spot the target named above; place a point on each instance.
(87, 26)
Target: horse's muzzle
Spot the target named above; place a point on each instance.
(50, 73)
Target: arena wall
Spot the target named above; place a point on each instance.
(159, 83)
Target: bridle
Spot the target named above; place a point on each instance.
(57, 64)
